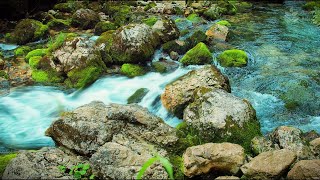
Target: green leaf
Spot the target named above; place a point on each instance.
(77, 175)
(86, 166)
(167, 165)
(145, 166)
(80, 166)
(92, 177)
(83, 172)
(62, 168)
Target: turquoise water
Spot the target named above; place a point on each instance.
(283, 69)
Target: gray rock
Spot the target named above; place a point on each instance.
(269, 165)
(305, 169)
(178, 94)
(315, 146)
(222, 158)
(41, 164)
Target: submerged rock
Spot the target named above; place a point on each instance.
(132, 70)
(164, 66)
(138, 96)
(178, 94)
(305, 169)
(220, 116)
(217, 158)
(269, 165)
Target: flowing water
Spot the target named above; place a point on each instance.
(281, 80)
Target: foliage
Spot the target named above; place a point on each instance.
(149, 6)
(4, 161)
(150, 21)
(312, 5)
(194, 18)
(164, 162)
(79, 171)
(224, 23)
(316, 16)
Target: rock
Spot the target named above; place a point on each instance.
(233, 58)
(220, 116)
(196, 38)
(27, 30)
(198, 55)
(132, 70)
(291, 138)
(41, 164)
(315, 146)
(133, 43)
(224, 23)
(119, 139)
(269, 165)
(104, 26)
(224, 158)
(59, 24)
(174, 55)
(150, 21)
(180, 47)
(194, 18)
(2, 63)
(178, 94)
(85, 18)
(260, 144)
(164, 66)
(80, 61)
(166, 29)
(89, 127)
(217, 32)
(69, 7)
(138, 96)
(305, 169)
(227, 177)
(213, 13)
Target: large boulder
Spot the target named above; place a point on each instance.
(305, 169)
(220, 116)
(85, 18)
(42, 164)
(166, 29)
(198, 55)
(217, 32)
(80, 61)
(315, 146)
(290, 138)
(119, 138)
(269, 165)
(179, 93)
(222, 158)
(27, 30)
(133, 43)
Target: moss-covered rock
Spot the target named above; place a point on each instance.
(69, 6)
(224, 23)
(149, 6)
(212, 13)
(34, 61)
(164, 66)
(22, 51)
(27, 30)
(200, 54)
(138, 96)
(59, 24)
(119, 13)
(180, 47)
(233, 58)
(311, 5)
(48, 76)
(85, 18)
(132, 70)
(56, 42)
(105, 38)
(166, 29)
(4, 161)
(197, 37)
(36, 52)
(227, 7)
(150, 21)
(316, 17)
(104, 26)
(195, 18)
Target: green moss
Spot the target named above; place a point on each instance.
(212, 13)
(120, 14)
(36, 52)
(159, 67)
(316, 16)
(49, 76)
(177, 163)
(22, 51)
(138, 95)
(4, 161)
(106, 38)
(200, 54)
(80, 78)
(312, 5)
(174, 46)
(150, 21)
(104, 26)
(194, 18)
(233, 57)
(34, 61)
(69, 6)
(59, 24)
(4, 74)
(40, 31)
(224, 23)
(132, 70)
(149, 6)
(59, 40)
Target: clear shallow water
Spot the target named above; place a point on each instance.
(284, 64)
